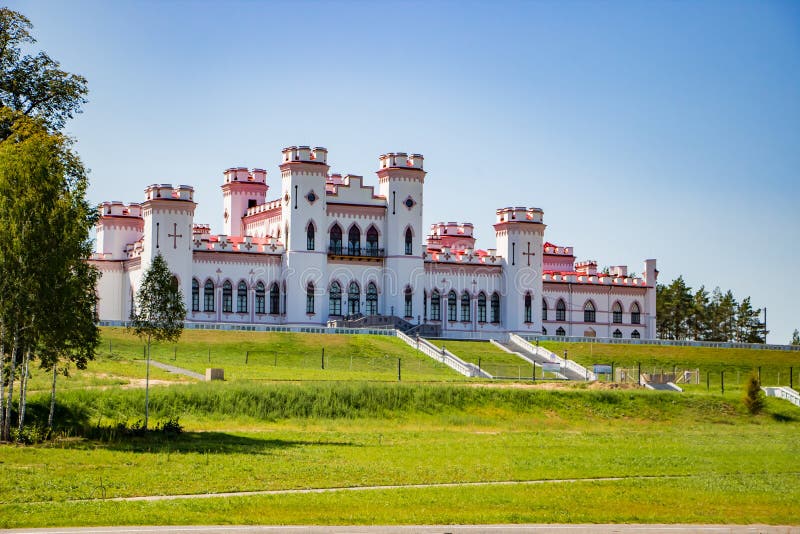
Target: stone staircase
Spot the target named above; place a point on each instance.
(443, 356)
(538, 355)
(783, 392)
(389, 322)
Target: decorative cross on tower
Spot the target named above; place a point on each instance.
(529, 254)
(175, 235)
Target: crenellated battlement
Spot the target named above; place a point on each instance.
(555, 250)
(305, 154)
(168, 192)
(520, 214)
(400, 160)
(244, 175)
(586, 267)
(116, 208)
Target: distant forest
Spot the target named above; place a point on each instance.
(682, 313)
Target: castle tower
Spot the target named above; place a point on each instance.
(303, 175)
(519, 233)
(168, 214)
(119, 225)
(242, 189)
(401, 179)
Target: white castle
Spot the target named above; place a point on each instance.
(331, 250)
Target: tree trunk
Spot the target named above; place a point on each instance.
(2, 381)
(52, 397)
(12, 371)
(147, 386)
(23, 389)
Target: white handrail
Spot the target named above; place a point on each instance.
(442, 355)
(783, 392)
(552, 357)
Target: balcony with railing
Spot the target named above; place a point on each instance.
(356, 252)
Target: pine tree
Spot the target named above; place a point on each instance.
(753, 396)
(795, 337)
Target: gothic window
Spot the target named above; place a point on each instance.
(336, 239)
(372, 299)
(195, 295)
(335, 299)
(310, 298)
(636, 316)
(528, 308)
(561, 311)
(409, 310)
(635, 334)
(465, 315)
(310, 237)
(481, 308)
(227, 297)
(372, 241)
(241, 297)
(544, 310)
(353, 298)
(616, 313)
(451, 306)
(617, 334)
(588, 312)
(354, 241)
(260, 298)
(561, 331)
(425, 305)
(409, 239)
(495, 307)
(274, 299)
(436, 306)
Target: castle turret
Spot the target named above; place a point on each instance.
(242, 189)
(400, 180)
(118, 226)
(519, 232)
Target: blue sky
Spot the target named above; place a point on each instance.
(643, 129)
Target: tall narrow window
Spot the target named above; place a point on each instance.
(425, 305)
(372, 241)
(635, 335)
(495, 307)
(336, 239)
(561, 331)
(354, 241)
(528, 308)
(544, 309)
(310, 237)
(260, 298)
(310, 298)
(195, 295)
(241, 297)
(208, 296)
(561, 311)
(451, 306)
(227, 297)
(409, 307)
(353, 299)
(617, 334)
(588, 312)
(465, 304)
(481, 308)
(436, 306)
(372, 299)
(636, 315)
(616, 313)
(274, 299)
(409, 240)
(335, 299)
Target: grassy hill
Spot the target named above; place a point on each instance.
(491, 359)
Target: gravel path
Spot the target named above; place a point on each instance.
(177, 370)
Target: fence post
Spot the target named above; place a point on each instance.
(246, 356)
(323, 357)
(640, 372)
(175, 353)
(398, 369)
(708, 380)
(534, 369)
(759, 375)
(109, 347)
(612, 372)
(722, 381)
(479, 363)
(791, 378)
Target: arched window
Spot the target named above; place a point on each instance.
(425, 305)
(353, 298)
(372, 241)
(616, 314)
(241, 297)
(335, 299)
(354, 241)
(561, 331)
(561, 311)
(336, 239)
(588, 312)
(310, 298)
(481, 307)
(372, 299)
(528, 308)
(636, 315)
(436, 306)
(274, 299)
(195, 295)
(227, 297)
(451, 306)
(409, 240)
(495, 307)
(260, 298)
(544, 309)
(409, 307)
(310, 236)
(465, 315)
(635, 334)
(617, 334)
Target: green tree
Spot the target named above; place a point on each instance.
(795, 337)
(753, 396)
(159, 313)
(34, 85)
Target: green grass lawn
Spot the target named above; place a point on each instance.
(491, 359)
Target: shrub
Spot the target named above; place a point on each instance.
(753, 396)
